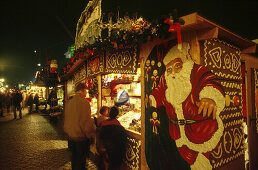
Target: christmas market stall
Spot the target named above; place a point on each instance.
(195, 110)
(177, 83)
(49, 88)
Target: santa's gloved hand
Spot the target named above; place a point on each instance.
(207, 107)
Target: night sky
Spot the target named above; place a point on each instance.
(49, 26)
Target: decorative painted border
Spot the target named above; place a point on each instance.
(234, 123)
(223, 75)
(223, 42)
(125, 71)
(232, 115)
(134, 162)
(80, 75)
(219, 55)
(230, 109)
(101, 65)
(224, 161)
(232, 85)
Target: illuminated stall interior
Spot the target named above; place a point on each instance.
(124, 91)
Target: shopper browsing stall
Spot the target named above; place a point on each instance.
(79, 126)
(114, 139)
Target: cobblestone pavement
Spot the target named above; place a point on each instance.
(32, 143)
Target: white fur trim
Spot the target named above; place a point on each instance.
(205, 146)
(153, 101)
(174, 53)
(214, 94)
(201, 163)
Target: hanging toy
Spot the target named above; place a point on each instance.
(155, 122)
(154, 79)
(147, 69)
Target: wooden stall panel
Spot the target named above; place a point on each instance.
(223, 60)
(254, 85)
(80, 74)
(133, 154)
(123, 60)
(95, 64)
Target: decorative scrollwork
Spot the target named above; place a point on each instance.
(217, 154)
(237, 138)
(215, 55)
(227, 139)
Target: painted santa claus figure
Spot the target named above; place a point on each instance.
(193, 99)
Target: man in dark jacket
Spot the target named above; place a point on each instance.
(30, 102)
(17, 99)
(114, 139)
(36, 101)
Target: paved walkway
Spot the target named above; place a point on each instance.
(34, 142)
(9, 116)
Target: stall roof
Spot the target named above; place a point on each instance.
(207, 29)
(73, 69)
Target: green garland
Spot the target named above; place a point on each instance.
(123, 39)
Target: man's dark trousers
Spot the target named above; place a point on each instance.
(14, 111)
(80, 151)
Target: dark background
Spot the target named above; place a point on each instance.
(49, 26)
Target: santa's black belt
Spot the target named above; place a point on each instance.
(185, 121)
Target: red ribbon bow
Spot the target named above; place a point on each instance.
(90, 51)
(174, 27)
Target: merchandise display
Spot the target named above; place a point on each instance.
(93, 104)
(124, 91)
(131, 120)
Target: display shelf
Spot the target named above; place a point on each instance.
(114, 95)
(123, 81)
(133, 134)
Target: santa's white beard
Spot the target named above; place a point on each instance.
(179, 86)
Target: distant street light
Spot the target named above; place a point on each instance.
(35, 51)
(39, 64)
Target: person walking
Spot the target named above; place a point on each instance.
(24, 99)
(36, 102)
(30, 102)
(1, 104)
(114, 139)
(79, 126)
(17, 99)
(8, 101)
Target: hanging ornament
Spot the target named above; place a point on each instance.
(175, 25)
(236, 100)
(155, 122)
(91, 52)
(72, 59)
(154, 79)
(147, 69)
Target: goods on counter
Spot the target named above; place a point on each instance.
(131, 120)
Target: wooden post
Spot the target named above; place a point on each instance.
(251, 62)
(99, 100)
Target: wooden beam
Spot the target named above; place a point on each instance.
(208, 33)
(190, 19)
(250, 50)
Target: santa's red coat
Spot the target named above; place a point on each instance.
(196, 133)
